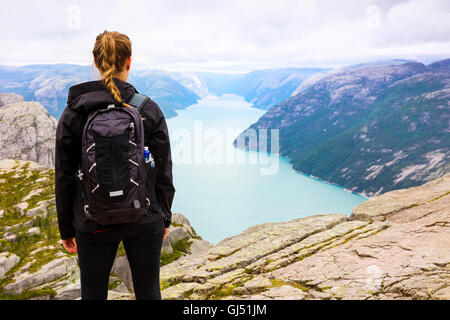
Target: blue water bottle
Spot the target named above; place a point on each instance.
(146, 155)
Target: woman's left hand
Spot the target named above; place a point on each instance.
(166, 231)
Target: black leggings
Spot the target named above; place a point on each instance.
(97, 251)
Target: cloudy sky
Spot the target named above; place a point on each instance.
(230, 36)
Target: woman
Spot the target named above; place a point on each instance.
(97, 244)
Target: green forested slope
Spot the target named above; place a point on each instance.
(369, 129)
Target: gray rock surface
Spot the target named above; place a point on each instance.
(33, 231)
(403, 254)
(9, 98)
(51, 271)
(198, 246)
(115, 295)
(27, 132)
(178, 218)
(177, 234)
(121, 288)
(21, 206)
(393, 246)
(285, 292)
(40, 209)
(7, 262)
(121, 268)
(71, 291)
(166, 246)
(395, 202)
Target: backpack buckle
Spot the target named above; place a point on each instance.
(80, 175)
(86, 211)
(148, 202)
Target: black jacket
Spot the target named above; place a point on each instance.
(82, 100)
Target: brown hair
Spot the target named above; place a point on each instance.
(111, 51)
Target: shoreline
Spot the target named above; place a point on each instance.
(312, 176)
(330, 183)
(319, 179)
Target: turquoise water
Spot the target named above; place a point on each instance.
(222, 190)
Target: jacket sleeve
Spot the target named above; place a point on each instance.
(65, 183)
(159, 146)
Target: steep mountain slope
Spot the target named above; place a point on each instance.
(46, 84)
(49, 85)
(369, 129)
(162, 88)
(262, 88)
(27, 131)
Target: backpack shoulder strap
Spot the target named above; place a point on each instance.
(137, 100)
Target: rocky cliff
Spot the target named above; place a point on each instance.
(393, 246)
(33, 263)
(9, 98)
(27, 131)
(370, 129)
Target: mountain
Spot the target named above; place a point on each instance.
(262, 88)
(46, 84)
(393, 246)
(369, 129)
(27, 130)
(49, 84)
(164, 89)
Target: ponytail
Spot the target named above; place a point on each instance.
(111, 50)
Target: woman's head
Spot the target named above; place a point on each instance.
(112, 56)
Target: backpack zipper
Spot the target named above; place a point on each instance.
(114, 176)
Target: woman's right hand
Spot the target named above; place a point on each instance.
(70, 245)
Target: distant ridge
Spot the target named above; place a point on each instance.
(369, 129)
(49, 85)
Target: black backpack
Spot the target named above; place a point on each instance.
(113, 171)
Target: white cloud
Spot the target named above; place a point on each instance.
(236, 35)
(417, 21)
